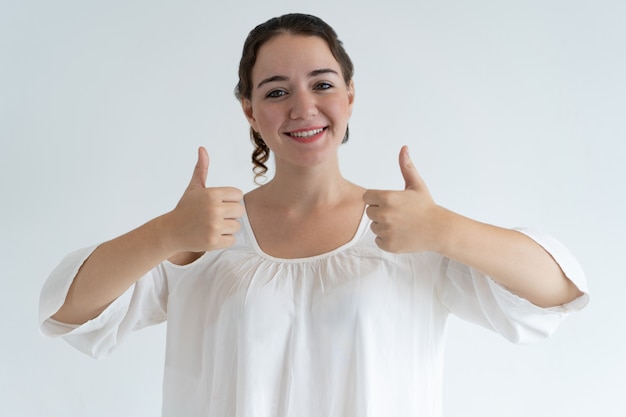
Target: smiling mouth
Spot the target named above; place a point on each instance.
(306, 134)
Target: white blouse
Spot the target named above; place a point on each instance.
(351, 333)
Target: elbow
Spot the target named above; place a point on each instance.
(559, 293)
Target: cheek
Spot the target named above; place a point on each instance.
(341, 108)
(267, 118)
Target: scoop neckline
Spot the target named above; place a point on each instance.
(247, 226)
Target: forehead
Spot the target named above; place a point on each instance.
(287, 54)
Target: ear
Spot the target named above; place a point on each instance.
(351, 94)
(246, 106)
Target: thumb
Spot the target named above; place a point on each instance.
(412, 179)
(198, 179)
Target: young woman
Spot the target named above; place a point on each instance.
(310, 295)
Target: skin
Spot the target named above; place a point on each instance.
(298, 87)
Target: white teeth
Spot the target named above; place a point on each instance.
(306, 133)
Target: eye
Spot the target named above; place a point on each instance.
(276, 93)
(323, 86)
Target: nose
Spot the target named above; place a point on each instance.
(304, 106)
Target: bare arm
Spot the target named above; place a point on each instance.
(511, 258)
(410, 221)
(204, 219)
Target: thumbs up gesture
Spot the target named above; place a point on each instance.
(405, 221)
(204, 219)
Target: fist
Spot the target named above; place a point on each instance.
(204, 219)
(404, 221)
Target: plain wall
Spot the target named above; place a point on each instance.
(514, 112)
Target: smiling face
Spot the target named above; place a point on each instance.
(299, 103)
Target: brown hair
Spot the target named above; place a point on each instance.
(297, 24)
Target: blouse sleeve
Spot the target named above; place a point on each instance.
(475, 297)
(143, 304)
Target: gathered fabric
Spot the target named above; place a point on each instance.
(350, 333)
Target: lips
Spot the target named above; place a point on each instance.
(307, 135)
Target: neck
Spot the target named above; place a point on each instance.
(306, 189)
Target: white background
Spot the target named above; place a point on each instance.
(515, 113)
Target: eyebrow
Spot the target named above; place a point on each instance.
(311, 74)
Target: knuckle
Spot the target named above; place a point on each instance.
(226, 241)
(392, 198)
(234, 226)
(381, 197)
(232, 193)
(391, 246)
(370, 211)
(231, 240)
(383, 218)
(238, 210)
(369, 196)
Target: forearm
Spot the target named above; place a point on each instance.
(111, 269)
(204, 219)
(509, 257)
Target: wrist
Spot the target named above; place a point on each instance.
(163, 238)
(448, 225)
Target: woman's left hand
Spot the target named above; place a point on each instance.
(408, 220)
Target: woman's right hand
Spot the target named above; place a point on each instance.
(204, 219)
